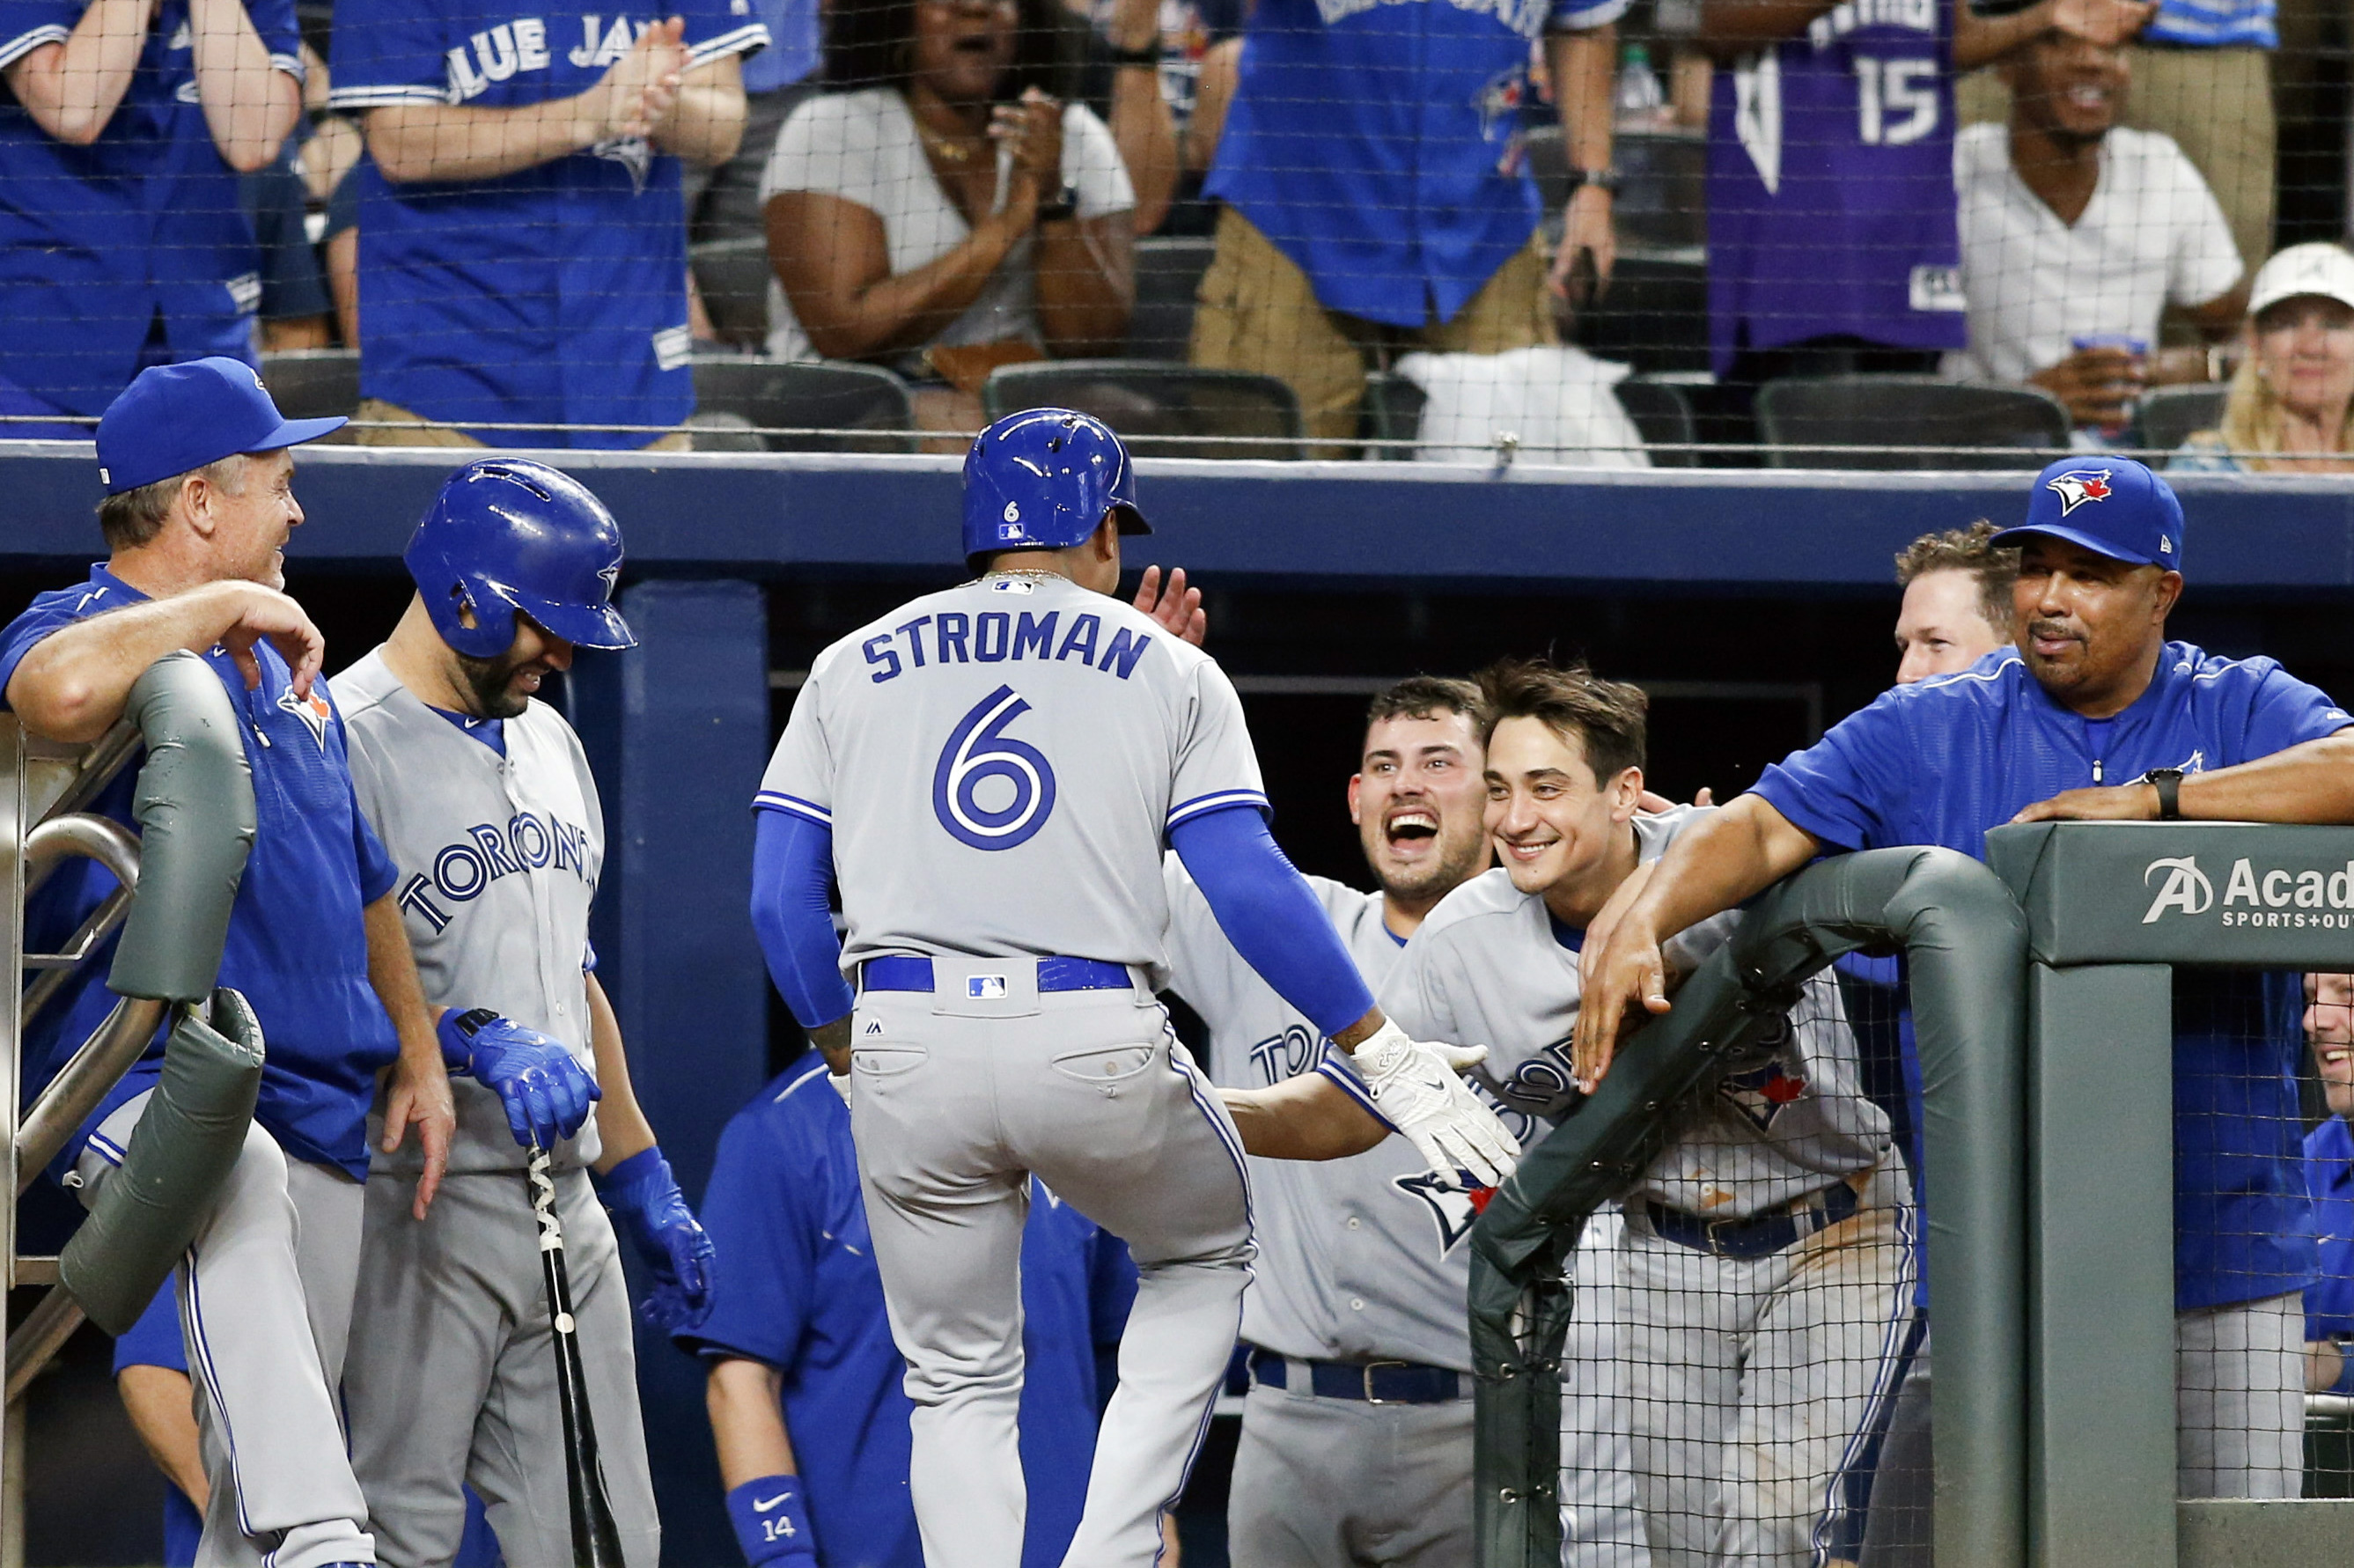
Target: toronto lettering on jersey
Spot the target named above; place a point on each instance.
(996, 636)
(529, 841)
(1915, 15)
(2274, 897)
(496, 54)
(1526, 17)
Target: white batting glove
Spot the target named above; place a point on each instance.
(1416, 1087)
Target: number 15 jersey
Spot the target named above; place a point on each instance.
(1001, 765)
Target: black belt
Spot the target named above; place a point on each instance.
(1761, 1236)
(1374, 1382)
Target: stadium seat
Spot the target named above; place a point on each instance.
(1654, 316)
(2170, 414)
(313, 382)
(1160, 410)
(1806, 421)
(774, 394)
(1659, 409)
(733, 276)
(1168, 272)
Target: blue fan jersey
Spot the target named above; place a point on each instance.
(141, 229)
(796, 1287)
(1377, 144)
(2330, 1178)
(555, 294)
(297, 945)
(1830, 186)
(1942, 761)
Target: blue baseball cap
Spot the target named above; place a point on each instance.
(176, 418)
(2111, 506)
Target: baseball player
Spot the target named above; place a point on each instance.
(1956, 607)
(200, 505)
(1356, 1438)
(1763, 1269)
(2096, 695)
(1004, 911)
(520, 228)
(807, 1393)
(484, 801)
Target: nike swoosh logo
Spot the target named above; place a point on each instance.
(759, 1507)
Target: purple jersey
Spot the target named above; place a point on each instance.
(1830, 186)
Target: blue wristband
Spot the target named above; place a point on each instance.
(770, 1524)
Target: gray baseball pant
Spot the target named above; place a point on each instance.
(265, 1295)
(955, 1102)
(1341, 1483)
(1601, 1521)
(1752, 1378)
(452, 1372)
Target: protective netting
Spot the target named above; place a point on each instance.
(1882, 233)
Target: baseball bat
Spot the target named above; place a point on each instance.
(596, 1538)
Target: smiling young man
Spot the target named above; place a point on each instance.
(2097, 696)
(1764, 1267)
(1956, 607)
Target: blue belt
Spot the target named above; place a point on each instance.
(1761, 1236)
(1054, 974)
(1375, 1383)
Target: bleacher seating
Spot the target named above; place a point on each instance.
(774, 394)
(1161, 410)
(1659, 409)
(2168, 416)
(313, 382)
(1902, 421)
(1168, 272)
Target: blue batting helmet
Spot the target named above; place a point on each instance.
(508, 535)
(1043, 480)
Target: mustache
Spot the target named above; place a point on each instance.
(2055, 629)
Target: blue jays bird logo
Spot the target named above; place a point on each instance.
(1455, 1207)
(2077, 486)
(311, 710)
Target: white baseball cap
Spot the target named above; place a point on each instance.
(2316, 268)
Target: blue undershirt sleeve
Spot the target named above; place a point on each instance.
(792, 874)
(1268, 912)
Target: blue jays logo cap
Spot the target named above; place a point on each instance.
(2111, 506)
(176, 418)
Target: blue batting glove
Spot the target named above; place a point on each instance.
(771, 1525)
(545, 1094)
(644, 1195)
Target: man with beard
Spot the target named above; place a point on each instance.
(2097, 697)
(1356, 1441)
(484, 798)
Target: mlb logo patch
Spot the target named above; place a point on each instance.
(984, 988)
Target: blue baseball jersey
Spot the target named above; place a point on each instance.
(1378, 146)
(2329, 1181)
(792, 51)
(555, 294)
(796, 1287)
(1941, 761)
(297, 946)
(2212, 23)
(141, 229)
(1830, 186)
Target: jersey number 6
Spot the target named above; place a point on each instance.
(991, 790)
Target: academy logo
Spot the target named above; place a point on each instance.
(2275, 898)
(1454, 1207)
(2079, 486)
(311, 710)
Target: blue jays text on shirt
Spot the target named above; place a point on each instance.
(497, 54)
(996, 636)
(529, 841)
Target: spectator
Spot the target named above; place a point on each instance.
(1145, 69)
(522, 241)
(731, 291)
(2293, 397)
(891, 234)
(1956, 606)
(2076, 233)
(1831, 239)
(122, 242)
(806, 1390)
(1376, 196)
(2330, 1178)
(292, 308)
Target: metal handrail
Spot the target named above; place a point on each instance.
(82, 1082)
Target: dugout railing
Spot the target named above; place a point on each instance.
(2042, 994)
(175, 880)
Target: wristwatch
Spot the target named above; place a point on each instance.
(2167, 783)
(1607, 179)
(1064, 206)
(1147, 58)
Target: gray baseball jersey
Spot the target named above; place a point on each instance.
(1360, 1258)
(1021, 747)
(1487, 968)
(499, 858)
